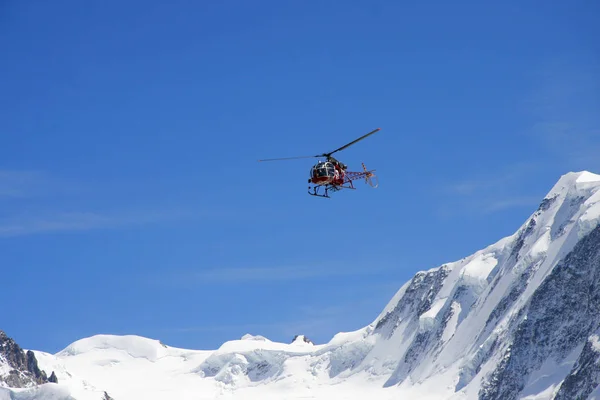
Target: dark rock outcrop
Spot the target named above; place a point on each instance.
(53, 378)
(417, 299)
(303, 338)
(24, 370)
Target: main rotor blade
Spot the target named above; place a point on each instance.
(287, 158)
(351, 143)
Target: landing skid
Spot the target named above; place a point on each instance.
(315, 190)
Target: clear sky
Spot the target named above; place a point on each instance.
(132, 202)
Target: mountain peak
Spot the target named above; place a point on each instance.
(133, 345)
(248, 336)
(586, 176)
(301, 339)
(574, 180)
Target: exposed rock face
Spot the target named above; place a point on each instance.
(53, 378)
(23, 370)
(417, 299)
(107, 397)
(301, 339)
(585, 375)
(563, 313)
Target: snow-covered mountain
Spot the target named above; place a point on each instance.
(519, 319)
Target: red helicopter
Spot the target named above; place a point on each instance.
(332, 175)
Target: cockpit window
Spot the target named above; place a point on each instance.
(321, 170)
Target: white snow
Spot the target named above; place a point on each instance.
(586, 177)
(254, 337)
(591, 216)
(452, 323)
(48, 391)
(134, 346)
(540, 247)
(237, 346)
(595, 342)
(4, 368)
(427, 319)
(479, 268)
(546, 380)
(435, 309)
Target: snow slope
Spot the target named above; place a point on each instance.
(519, 319)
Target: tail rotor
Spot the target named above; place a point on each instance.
(370, 177)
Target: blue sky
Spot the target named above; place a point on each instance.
(131, 201)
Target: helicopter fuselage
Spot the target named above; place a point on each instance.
(327, 173)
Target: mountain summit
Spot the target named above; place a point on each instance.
(519, 319)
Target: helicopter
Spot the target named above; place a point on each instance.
(332, 175)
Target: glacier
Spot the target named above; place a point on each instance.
(519, 319)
